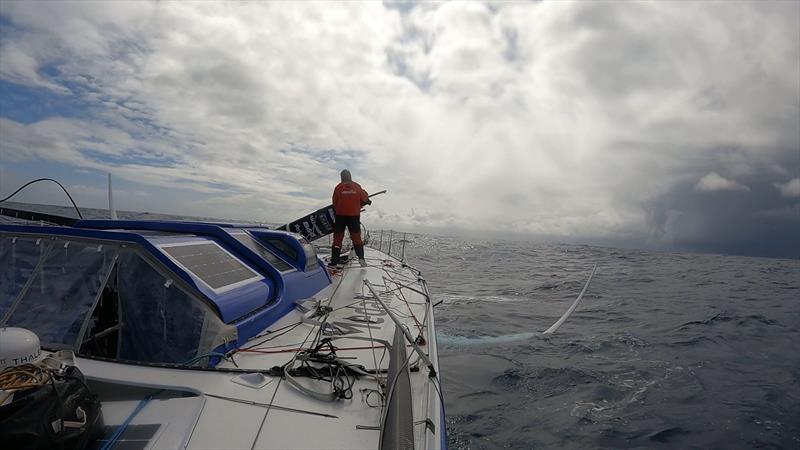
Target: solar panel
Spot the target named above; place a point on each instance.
(210, 263)
(251, 243)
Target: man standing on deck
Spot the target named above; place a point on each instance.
(348, 198)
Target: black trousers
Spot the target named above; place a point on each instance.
(353, 225)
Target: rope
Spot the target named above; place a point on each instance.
(121, 429)
(274, 393)
(289, 350)
(26, 376)
(405, 300)
(46, 179)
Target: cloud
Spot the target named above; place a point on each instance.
(787, 213)
(714, 182)
(19, 67)
(789, 189)
(541, 118)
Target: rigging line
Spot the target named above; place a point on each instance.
(390, 390)
(293, 345)
(270, 332)
(569, 311)
(280, 408)
(397, 272)
(264, 419)
(46, 179)
(335, 289)
(437, 386)
(425, 317)
(369, 328)
(272, 335)
(431, 369)
(274, 393)
(324, 319)
(428, 310)
(411, 288)
(405, 300)
(347, 305)
(393, 308)
(287, 350)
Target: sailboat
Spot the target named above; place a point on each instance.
(188, 334)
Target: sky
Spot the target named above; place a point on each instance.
(669, 125)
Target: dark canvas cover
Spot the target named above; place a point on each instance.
(27, 422)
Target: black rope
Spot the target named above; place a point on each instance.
(46, 179)
(270, 336)
(341, 376)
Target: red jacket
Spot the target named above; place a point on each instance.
(348, 197)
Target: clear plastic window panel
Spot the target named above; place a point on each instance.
(160, 322)
(18, 258)
(251, 243)
(63, 291)
(311, 255)
(284, 247)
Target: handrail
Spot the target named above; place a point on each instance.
(390, 239)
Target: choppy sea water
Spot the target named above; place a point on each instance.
(666, 350)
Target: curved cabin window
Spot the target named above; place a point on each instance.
(55, 302)
(18, 258)
(161, 322)
(105, 300)
(310, 255)
(249, 242)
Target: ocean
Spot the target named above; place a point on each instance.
(666, 350)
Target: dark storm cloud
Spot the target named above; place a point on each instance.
(759, 221)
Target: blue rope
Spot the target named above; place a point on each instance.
(121, 429)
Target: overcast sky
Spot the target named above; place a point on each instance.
(670, 125)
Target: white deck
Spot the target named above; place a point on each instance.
(203, 420)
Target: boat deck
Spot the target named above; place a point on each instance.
(235, 406)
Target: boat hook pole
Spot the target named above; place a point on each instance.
(403, 329)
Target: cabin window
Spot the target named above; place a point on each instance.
(310, 254)
(56, 301)
(105, 300)
(161, 322)
(281, 245)
(18, 258)
(262, 251)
